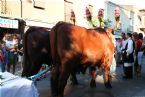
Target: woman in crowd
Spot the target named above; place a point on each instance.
(135, 38)
(139, 54)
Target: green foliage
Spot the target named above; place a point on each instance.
(107, 23)
(96, 21)
(93, 22)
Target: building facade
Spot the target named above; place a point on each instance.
(46, 13)
(126, 16)
(26, 13)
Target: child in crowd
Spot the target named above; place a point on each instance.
(1, 57)
(5, 55)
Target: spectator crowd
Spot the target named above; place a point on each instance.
(130, 51)
(11, 52)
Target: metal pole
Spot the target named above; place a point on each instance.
(5, 7)
(65, 10)
(21, 9)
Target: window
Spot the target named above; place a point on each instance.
(40, 4)
(3, 6)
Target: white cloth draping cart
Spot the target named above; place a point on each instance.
(15, 86)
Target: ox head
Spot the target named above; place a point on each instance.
(36, 50)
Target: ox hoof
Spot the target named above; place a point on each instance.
(108, 86)
(54, 95)
(74, 83)
(93, 84)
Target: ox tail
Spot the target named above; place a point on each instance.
(109, 33)
(111, 37)
(54, 30)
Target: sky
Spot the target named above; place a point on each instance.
(138, 3)
(100, 3)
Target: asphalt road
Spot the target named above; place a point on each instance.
(121, 88)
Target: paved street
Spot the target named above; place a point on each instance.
(121, 88)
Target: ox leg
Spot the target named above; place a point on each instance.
(93, 74)
(54, 81)
(73, 78)
(61, 84)
(62, 81)
(65, 70)
(107, 78)
(26, 66)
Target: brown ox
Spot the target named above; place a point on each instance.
(36, 50)
(74, 47)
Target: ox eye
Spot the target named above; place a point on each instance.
(44, 50)
(34, 44)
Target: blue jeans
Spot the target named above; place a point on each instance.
(3, 66)
(0, 67)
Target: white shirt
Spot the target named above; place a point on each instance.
(130, 46)
(15, 42)
(10, 44)
(124, 42)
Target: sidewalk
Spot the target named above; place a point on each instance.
(129, 88)
(141, 93)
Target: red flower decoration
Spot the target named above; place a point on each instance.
(73, 17)
(117, 11)
(88, 14)
(101, 13)
(117, 14)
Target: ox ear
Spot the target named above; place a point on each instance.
(110, 33)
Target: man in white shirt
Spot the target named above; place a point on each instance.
(128, 57)
(12, 56)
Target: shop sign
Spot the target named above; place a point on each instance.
(7, 23)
